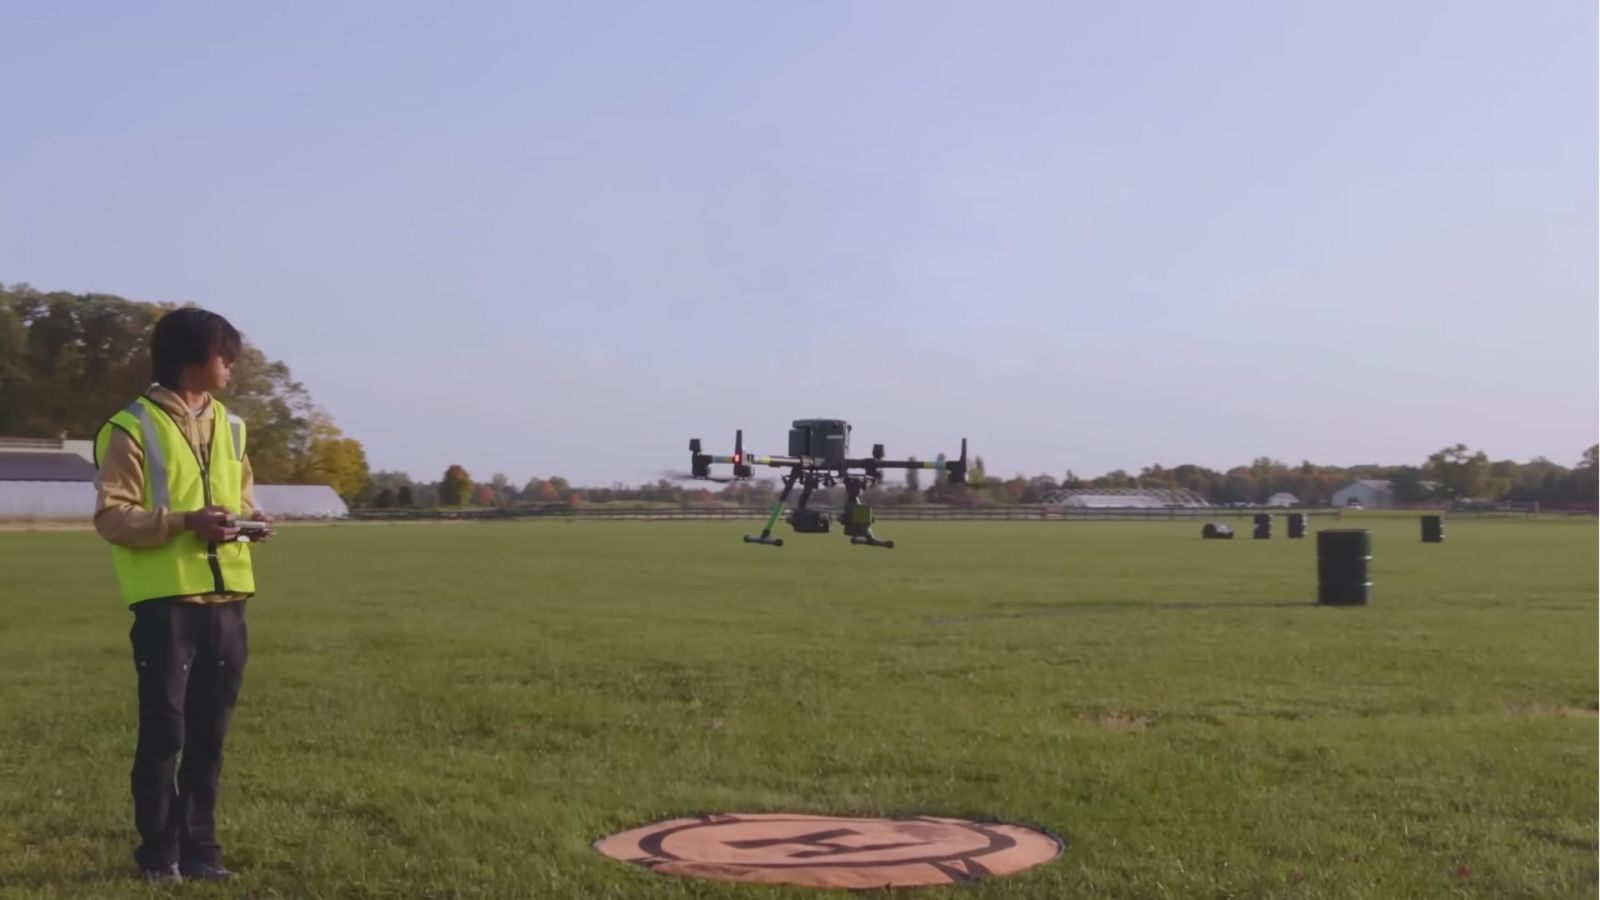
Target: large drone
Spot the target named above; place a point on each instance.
(819, 456)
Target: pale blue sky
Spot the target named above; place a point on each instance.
(564, 238)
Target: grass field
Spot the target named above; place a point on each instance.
(459, 710)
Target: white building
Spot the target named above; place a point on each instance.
(42, 478)
(300, 501)
(1366, 493)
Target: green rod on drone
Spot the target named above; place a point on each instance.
(777, 510)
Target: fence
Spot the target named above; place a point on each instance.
(892, 513)
(1062, 513)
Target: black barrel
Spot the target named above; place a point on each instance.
(1344, 566)
(1216, 531)
(1297, 525)
(1263, 527)
(1433, 529)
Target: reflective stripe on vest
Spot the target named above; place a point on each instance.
(155, 460)
(236, 426)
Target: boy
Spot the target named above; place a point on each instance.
(173, 476)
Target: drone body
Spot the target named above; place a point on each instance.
(819, 456)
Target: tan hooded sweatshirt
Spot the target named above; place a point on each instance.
(120, 516)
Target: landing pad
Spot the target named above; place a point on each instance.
(833, 851)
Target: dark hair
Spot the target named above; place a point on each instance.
(187, 337)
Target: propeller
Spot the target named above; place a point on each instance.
(958, 470)
(741, 465)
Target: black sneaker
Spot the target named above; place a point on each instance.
(163, 875)
(202, 871)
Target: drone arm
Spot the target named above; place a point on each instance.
(778, 462)
(901, 464)
(957, 468)
(701, 463)
(743, 462)
(746, 461)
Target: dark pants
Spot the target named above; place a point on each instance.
(190, 658)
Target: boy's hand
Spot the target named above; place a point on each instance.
(263, 536)
(214, 523)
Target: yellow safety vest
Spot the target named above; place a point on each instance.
(174, 477)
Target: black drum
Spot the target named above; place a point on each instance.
(1433, 529)
(1344, 566)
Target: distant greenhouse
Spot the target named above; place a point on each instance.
(64, 500)
(1125, 498)
(54, 479)
(46, 500)
(300, 501)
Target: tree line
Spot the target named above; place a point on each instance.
(1454, 473)
(68, 361)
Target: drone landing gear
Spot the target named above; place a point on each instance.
(765, 537)
(858, 517)
(856, 520)
(868, 540)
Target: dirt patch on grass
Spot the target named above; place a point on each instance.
(1549, 710)
(1118, 720)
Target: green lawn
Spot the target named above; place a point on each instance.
(458, 710)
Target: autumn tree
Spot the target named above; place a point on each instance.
(544, 491)
(1460, 472)
(279, 412)
(67, 361)
(1581, 485)
(1410, 484)
(456, 488)
(381, 480)
(330, 458)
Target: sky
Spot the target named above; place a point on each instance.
(564, 238)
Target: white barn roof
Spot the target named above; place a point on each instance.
(300, 501)
(47, 500)
(75, 500)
